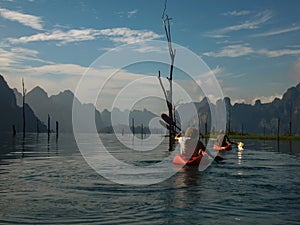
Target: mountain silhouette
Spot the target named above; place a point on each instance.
(263, 117)
(121, 121)
(260, 118)
(12, 114)
(59, 108)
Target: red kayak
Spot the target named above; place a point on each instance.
(219, 148)
(185, 160)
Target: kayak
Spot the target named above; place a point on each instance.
(185, 160)
(219, 148)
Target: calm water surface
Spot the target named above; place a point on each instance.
(49, 182)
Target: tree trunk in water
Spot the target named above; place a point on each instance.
(24, 93)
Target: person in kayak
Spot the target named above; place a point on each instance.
(223, 142)
(190, 145)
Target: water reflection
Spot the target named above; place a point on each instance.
(188, 176)
(283, 146)
(240, 156)
(240, 162)
(32, 145)
(288, 146)
(187, 192)
(265, 191)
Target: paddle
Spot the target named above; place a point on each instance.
(239, 144)
(169, 121)
(167, 126)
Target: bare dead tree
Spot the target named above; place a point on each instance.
(169, 93)
(24, 93)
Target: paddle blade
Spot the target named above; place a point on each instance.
(169, 121)
(164, 125)
(240, 145)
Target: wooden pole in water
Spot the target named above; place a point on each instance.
(37, 126)
(229, 121)
(242, 129)
(290, 127)
(56, 129)
(24, 93)
(14, 130)
(278, 128)
(48, 125)
(142, 131)
(133, 131)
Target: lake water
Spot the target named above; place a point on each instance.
(49, 182)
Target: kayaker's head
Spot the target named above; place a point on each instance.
(191, 132)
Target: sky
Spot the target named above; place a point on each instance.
(252, 47)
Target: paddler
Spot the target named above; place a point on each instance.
(223, 142)
(190, 145)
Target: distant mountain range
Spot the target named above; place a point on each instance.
(59, 108)
(258, 118)
(12, 115)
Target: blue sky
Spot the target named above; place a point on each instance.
(253, 47)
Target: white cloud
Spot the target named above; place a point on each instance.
(254, 23)
(229, 42)
(126, 35)
(250, 24)
(237, 100)
(120, 35)
(266, 99)
(280, 52)
(13, 57)
(56, 69)
(131, 13)
(232, 75)
(277, 32)
(34, 22)
(295, 73)
(237, 13)
(18, 58)
(243, 50)
(6, 58)
(58, 35)
(216, 36)
(297, 65)
(54, 78)
(231, 51)
(24, 51)
(213, 72)
(143, 47)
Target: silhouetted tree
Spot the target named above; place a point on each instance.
(169, 93)
(24, 93)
